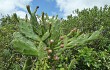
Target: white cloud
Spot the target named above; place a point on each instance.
(22, 14)
(67, 6)
(13, 6)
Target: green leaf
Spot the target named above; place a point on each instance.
(83, 38)
(28, 64)
(41, 52)
(62, 69)
(23, 45)
(72, 64)
(46, 35)
(95, 34)
(27, 29)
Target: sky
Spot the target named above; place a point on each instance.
(62, 8)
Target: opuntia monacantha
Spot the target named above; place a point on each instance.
(42, 39)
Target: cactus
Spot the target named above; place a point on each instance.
(33, 37)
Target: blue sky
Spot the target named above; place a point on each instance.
(47, 6)
(53, 7)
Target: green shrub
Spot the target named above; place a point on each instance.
(78, 43)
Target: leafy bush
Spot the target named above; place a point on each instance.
(89, 20)
(77, 43)
(6, 35)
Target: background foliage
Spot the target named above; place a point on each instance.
(54, 41)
